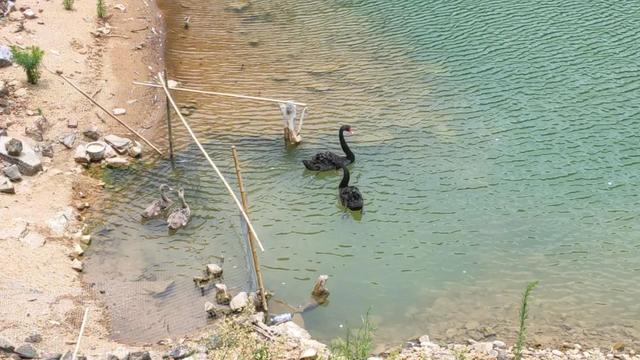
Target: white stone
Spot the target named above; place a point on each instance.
(120, 7)
(424, 340)
(499, 344)
(15, 229)
(309, 354)
(483, 347)
(81, 156)
(85, 239)
(33, 239)
(119, 111)
(29, 14)
(77, 251)
(117, 162)
(214, 269)
(77, 265)
(239, 302)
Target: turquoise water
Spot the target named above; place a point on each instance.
(496, 144)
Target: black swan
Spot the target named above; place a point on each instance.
(329, 161)
(349, 195)
(179, 217)
(157, 206)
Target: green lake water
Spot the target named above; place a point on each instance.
(496, 144)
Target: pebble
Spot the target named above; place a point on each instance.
(14, 147)
(116, 162)
(33, 338)
(619, 346)
(92, 133)
(29, 14)
(51, 356)
(135, 150)
(77, 251)
(72, 123)
(119, 111)
(12, 172)
(77, 265)
(180, 352)
(26, 351)
(557, 353)
(68, 140)
(47, 150)
(499, 344)
(309, 354)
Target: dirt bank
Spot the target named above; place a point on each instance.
(40, 292)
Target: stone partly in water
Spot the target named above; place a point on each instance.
(239, 302)
(28, 162)
(14, 147)
(135, 150)
(180, 352)
(68, 140)
(5, 56)
(6, 187)
(26, 351)
(117, 162)
(12, 172)
(309, 354)
(119, 144)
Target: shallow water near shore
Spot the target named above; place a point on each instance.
(495, 145)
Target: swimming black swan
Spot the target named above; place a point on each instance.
(349, 195)
(158, 205)
(180, 217)
(327, 160)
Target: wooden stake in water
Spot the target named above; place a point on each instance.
(245, 205)
(169, 120)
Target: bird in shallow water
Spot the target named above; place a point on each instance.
(350, 196)
(331, 161)
(159, 205)
(179, 217)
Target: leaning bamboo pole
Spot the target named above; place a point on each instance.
(245, 205)
(108, 112)
(213, 165)
(247, 97)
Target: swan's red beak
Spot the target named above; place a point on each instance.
(350, 132)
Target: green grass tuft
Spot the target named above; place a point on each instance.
(68, 4)
(356, 345)
(30, 60)
(524, 314)
(101, 9)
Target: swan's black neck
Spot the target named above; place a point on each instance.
(345, 147)
(345, 178)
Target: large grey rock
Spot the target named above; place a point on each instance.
(68, 140)
(239, 302)
(26, 351)
(119, 144)
(180, 352)
(12, 173)
(5, 345)
(6, 187)
(5, 56)
(14, 147)
(28, 162)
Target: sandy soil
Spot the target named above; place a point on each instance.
(39, 291)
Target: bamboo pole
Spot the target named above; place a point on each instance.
(84, 322)
(108, 112)
(213, 165)
(169, 124)
(247, 97)
(245, 205)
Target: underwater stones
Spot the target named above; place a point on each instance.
(14, 147)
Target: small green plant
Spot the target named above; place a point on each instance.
(261, 354)
(356, 345)
(101, 8)
(523, 315)
(460, 355)
(30, 59)
(68, 4)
